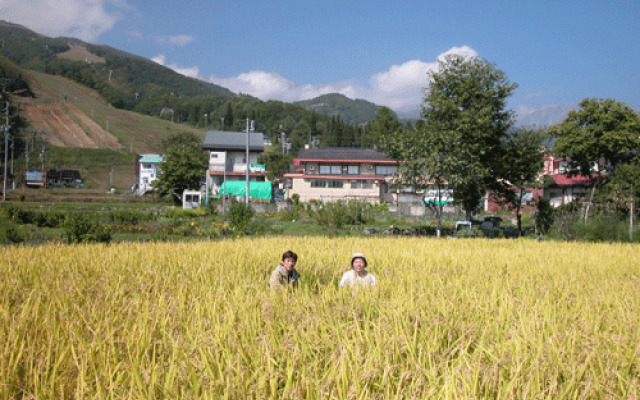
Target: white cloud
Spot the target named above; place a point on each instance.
(181, 40)
(193, 72)
(160, 59)
(83, 19)
(399, 88)
(136, 35)
(175, 40)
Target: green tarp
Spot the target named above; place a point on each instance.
(257, 190)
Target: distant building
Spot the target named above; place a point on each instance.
(337, 173)
(147, 168)
(228, 157)
(560, 188)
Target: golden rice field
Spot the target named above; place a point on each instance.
(450, 319)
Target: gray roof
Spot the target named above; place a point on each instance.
(342, 153)
(222, 140)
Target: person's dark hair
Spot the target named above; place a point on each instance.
(290, 254)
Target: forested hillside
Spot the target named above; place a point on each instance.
(134, 83)
(351, 111)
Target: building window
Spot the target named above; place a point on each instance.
(367, 184)
(336, 184)
(330, 170)
(318, 183)
(386, 169)
(353, 169)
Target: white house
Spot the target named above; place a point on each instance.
(228, 157)
(147, 168)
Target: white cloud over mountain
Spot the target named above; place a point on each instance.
(83, 19)
(176, 40)
(400, 87)
(192, 72)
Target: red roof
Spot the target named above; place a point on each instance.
(340, 177)
(566, 180)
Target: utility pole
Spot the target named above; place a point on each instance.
(26, 153)
(42, 155)
(246, 197)
(284, 142)
(13, 181)
(5, 129)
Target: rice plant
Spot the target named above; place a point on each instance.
(449, 319)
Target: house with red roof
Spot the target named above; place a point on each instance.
(560, 188)
(341, 173)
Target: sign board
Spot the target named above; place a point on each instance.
(258, 167)
(35, 177)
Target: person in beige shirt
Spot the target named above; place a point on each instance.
(358, 276)
(285, 274)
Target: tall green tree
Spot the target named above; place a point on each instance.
(183, 168)
(595, 138)
(465, 114)
(382, 129)
(625, 186)
(276, 164)
(227, 114)
(520, 166)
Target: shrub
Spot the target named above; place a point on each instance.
(474, 232)
(10, 234)
(19, 215)
(239, 217)
(180, 214)
(544, 215)
(359, 212)
(601, 229)
(52, 219)
(332, 216)
(80, 229)
(128, 217)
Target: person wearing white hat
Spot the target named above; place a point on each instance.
(358, 276)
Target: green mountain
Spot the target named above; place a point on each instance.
(121, 78)
(350, 111)
(99, 103)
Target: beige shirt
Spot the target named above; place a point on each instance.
(351, 279)
(280, 277)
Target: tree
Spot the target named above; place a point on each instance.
(276, 164)
(227, 114)
(597, 137)
(382, 128)
(519, 169)
(183, 168)
(625, 185)
(465, 125)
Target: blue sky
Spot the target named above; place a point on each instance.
(558, 52)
